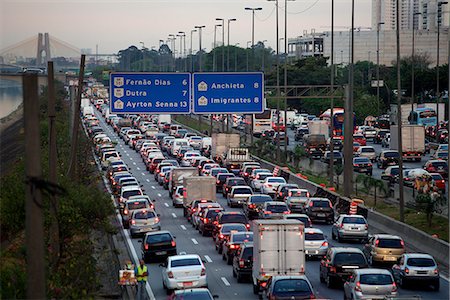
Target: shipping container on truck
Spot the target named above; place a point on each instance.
(413, 141)
(177, 176)
(198, 188)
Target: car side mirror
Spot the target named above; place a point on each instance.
(158, 215)
(139, 241)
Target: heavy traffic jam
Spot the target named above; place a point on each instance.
(276, 239)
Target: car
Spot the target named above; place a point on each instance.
(416, 268)
(130, 206)
(359, 138)
(158, 244)
(183, 271)
(367, 151)
(370, 284)
(216, 171)
(282, 190)
(390, 173)
(257, 182)
(128, 191)
(316, 245)
(380, 135)
(370, 132)
(225, 231)
(206, 225)
(197, 216)
(253, 205)
(440, 155)
(247, 171)
(362, 165)
(142, 221)
(300, 217)
(256, 172)
(350, 227)
(230, 182)
(386, 141)
(439, 181)
(337, 157)
(243, 262)
(270, 185)
(356, 146)
(238, 195)
(437, 166)
(207, 168)
(177, 197)
(337, 143)
(226, 217)
(192, 294)
(221, 178)
(281, 137)
(338, 265)
(320, 209)
(288, 287)
(384, 248)
(233, 243)
(300, 132)
(194, 207)
(296, 200)
(388, 158)
(274, 210)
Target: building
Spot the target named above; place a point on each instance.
(384, 11)
(431, 12)
(306, 46)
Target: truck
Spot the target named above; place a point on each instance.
(164, 119)
(198, 188)
(177, 176)
(319, 127)
(413, 141)
(315, 145)
(221, 142)
(88, 110)
(234, 158)
(278, 249)
(85, 102)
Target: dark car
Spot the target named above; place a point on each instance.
(296, 287)
(206, 225)
(225, 231)
(320, 209)
(243, 262)
(282, 190)
(362, 165)
(221, 178)
(337, 144)
(226, 217)
(339, 263)
(380, 136)
(233, 243)
(230, 182)
(337, 157)
(300, 132)
(158, 244)
(388, 158)
(254, 203)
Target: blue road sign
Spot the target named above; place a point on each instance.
(151, 93)
(228, 93)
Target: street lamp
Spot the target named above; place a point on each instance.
(190, 52)
(412, 64)
(214, 50)
(223, 42)
(378, 66)
(253, 30)
(143, 58)
(181, 49)
(183, 36)
(228, 44)
(200, 44)
(439, 4)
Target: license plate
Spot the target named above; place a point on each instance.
(355, 228)
(321, 215)
(390, 258)
(187, 283)
(363, 170)
(161, 252)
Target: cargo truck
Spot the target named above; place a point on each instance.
(234, 159)
(198, 188)
(177, 176)
(319, 127)
(278, 249)
(315, 145)
(413, 141)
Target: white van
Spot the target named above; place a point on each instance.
(174, 129)
(177, 144)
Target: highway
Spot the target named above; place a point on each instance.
(220, 279)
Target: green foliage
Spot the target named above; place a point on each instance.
(430, 204)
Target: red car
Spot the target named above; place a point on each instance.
(360, 139)
(437, 166)
(356, 146)
(439, 181)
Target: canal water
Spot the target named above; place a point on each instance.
(10, 96)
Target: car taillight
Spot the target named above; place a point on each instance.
(333, 269)
(312, 296)
(263, 284)
(406, 270)
(402, 243)
(156, 220)
(394, 287)
(218, 181)
(203, 273)
(173, 243)
(267, 212)
(311, 204)
(241, 263)
(331, 206)
(170, 274)
(133, 222)
(205, 220)
(358, 287)
(342, 226)
(125, 211)
(161, 174)
(220, 236)
(247, 225)
(251, 205)
(269, 185)
(436, 271)
(287, 212)
(146, 246)
(355, 165)
(233, 246)
(325, 244)
(245, 174)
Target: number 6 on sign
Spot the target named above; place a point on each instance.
(184, 82)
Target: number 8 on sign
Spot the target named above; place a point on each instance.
(256, 85)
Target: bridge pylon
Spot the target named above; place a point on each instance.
(43, 46)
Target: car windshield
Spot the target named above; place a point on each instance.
(240, 238)
(212, 213)
(144, 215)
(361, 160)
(321, 203)
(277, 208)
(185, 262)
(439, 164)
(291, 286)
(193, 295)
(367, 150)
(420, 262)
(137, 205)
(389, 243)
(353, 220)
(158, 238)
(375, 279)
(234, 218)
(263, 176)
(276, 180)
(304, 220)
(314, 236)
(233, 227)
(260, 199)
(243, 191)
(248, 252)
(349, 258)
(223, 177)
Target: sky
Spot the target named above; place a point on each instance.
(114, 25)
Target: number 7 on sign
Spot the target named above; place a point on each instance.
(184, 92)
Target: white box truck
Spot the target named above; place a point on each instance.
(413, 141)
(319, 127)
(198, 188)
(177, 176)
(221, 142)
(278, 249)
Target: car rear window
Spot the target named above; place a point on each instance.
(367, 150)
(375, 279)
(314, 236)
(276, 180)
(240, 238)
(144, 215)
(158, 238)
(263, 176)
(242, 191)
(353, 220)
(389, 243)
(291, 286)
(223, 177)
(321, 203)
(260, 199)
(236, 181)
(277, 208)
(437, 177)
(212, 213)
(439, 163)
(235, 218)
(361, 160)
(128, 194)
(185, 262)
(229, 228)
(391, 154)
(420, 262)
(349, 258)
(247, 252)
(304, 220)
(137, 205)
(193, 295)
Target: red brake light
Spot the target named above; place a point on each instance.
(286, 212)
(133, 222)
(146, 246)
(220, 236)
(233, 246)
(325, 244)
(247, 225)
(267, 212)
(241, 263)
(203, 272)
(358, 287)
(394, 287)
(333, 269)
(173, 243)
(403, 243)
(310, 204)
(125, 211)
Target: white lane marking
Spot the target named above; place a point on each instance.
(153, 187)
(194, 241)
(225, 281)
(183, 227)
(138, 168)
(130, 158)
(174, 215)
(148, 180)
(166, 204)
(134, 163)
(208, 259)
(127, 154)
(159, 195)
(143, 173)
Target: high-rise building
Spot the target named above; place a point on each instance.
(385, 11)
(432, 12)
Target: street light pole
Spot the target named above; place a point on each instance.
(378, 67)
(263, 53)
(228, 45)
(172, 47)
(235, 56)
(439, 7)
(214, 50)
(183, 36)
(253, 31)
(223, 42)
(143, 58)
(200, 45)
(181, 49)
(332, 99)
(412, 64)
(192, 59)
(246, 51)
(285, 75)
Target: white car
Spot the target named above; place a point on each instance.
(183, 272)
(257, 182)
(270, 185)
(367, 151)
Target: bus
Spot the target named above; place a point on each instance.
(423, 116)
(262, 122)
(338, 121)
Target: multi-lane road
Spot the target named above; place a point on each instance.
(220, 279)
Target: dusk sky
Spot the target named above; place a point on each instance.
(116, 24)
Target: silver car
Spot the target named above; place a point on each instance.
(416, 268)
(142, 221)
(274, 210)
(177, 197)
(353, 227)
(315, 242)
(238, 195)
(370, 284)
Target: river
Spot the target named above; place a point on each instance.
(10, 97)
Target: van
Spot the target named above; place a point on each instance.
(174, 129)
(177, 144)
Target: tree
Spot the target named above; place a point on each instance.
(372, 183)
(430, 204)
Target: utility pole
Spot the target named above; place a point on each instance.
(413, 65)
(200, 64)
(332, 99)
(192, 58)
(439, 9)
(378, 67)
(76, 123)
(34, 227)
(52, 161)
(228, 45)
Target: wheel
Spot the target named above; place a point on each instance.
(220, 248)
(239, 278)
(338, 238)
(402, 282)
(255, 289)
(168, 291)
(329, 282)
(436, 285)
